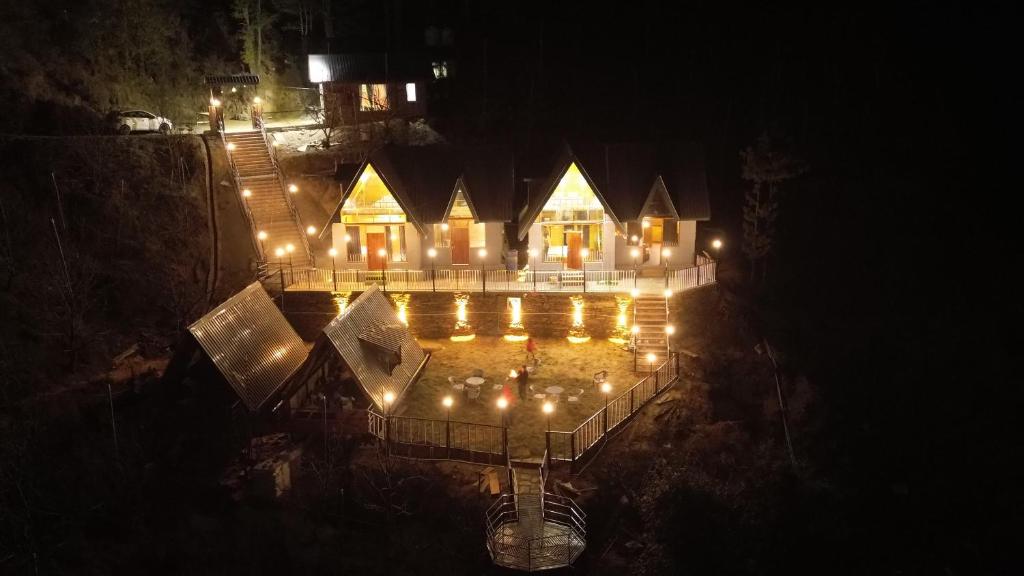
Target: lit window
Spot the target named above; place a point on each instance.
(373, 97)
(410, 92)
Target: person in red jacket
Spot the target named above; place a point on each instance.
(531, 351)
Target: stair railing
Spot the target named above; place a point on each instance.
(296, 219)
(261, 257)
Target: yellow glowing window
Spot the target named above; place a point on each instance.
(371, 202)
(373, 97)
(573, 200)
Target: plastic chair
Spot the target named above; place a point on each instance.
(473, 392)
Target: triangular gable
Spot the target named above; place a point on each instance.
(536, 207)
(658, 201)
(459, 192)
(391, 183)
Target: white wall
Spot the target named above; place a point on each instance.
(413, 250)
(494, 243)
(680, 256)
(608, 239)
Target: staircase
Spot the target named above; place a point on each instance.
(268, 203)
(651, 315)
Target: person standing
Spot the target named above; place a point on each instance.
(531, 352)
(524, 385)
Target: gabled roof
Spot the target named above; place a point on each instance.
(251, 344)
(627, 177)
(542, 190)
(370, 316)
(460, 189)
(659, 202)
(424, 181)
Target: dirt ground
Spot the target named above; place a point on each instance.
(571, 366)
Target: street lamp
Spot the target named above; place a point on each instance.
(482, 253)
(447, 402)
(261, 236)
(432, 254)
(669, 331)
(584, 253)
(665, 253)
(533, 254)
(383, 254)
(291, 270)
(606, 389)
(635, 253)
(280, 268)
(548, 409)
(333, 253)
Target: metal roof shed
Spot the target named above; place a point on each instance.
(251, 344)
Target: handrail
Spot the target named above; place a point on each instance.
(553, 508)
(296, 219)
(246, 212)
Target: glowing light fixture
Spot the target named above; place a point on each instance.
(256, 100)
(231, 145)
(716, 244)
(332, 252)
(247, 193)
(293, 188)
(431, 252)
(634, 238)
(635, 329)
(634, 292)
(289, 248)
(651, 357)
(447, 401)
(382, 253)
(444, 226)
(261, 235)
(645, 223)
(482, 253)
(401, 307)
(310, 230)
(389, 397)
(347, 238)
(516, 330)
(621, 333)
(665, 252)
(548, 408)
(214, 102)
(502, 403)
(463, 332)
(670, 329)
(606, 388)
(577, 332)
(668, 292)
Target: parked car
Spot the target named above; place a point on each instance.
(128, 121)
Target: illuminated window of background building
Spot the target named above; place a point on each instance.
(373, 97)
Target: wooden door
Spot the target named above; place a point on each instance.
(574, 259)
(374, 242)
(460, 245)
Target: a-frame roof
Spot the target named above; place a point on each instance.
(370, 318)
(460, 190)
(251, 344)
(659, 194)
(542, 193)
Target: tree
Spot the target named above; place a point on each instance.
(256, 22)
(768, 163)
(300, 13)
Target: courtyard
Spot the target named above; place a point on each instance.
(563, 364)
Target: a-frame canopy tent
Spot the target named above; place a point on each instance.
(377, 347)
(252, 345)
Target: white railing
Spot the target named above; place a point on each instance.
(694, 277)
(461, 279)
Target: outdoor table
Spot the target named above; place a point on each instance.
(554, 389)
(475, 380)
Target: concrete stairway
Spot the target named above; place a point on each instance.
(651, 317)
(268, 201)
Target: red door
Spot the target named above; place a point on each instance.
(460, 245)
(374, 244)
(574, 260)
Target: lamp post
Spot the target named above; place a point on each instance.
(291, 270)
(635, 253)
(327, 446)
(387, 399)
(482, 253)
(548, 409)
(262, 236)
(651, 357)
(665, 253)
(502, 404)
(584, 253)
(280, 268)
(447, 402)
(636, 335)
(432, 254)
(606, 389)
(246, 194)
(669, 331)
(383, 255)
(533, 254)
(333, 253)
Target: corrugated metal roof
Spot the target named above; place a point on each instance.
(251, 344)
(388, 338)
(363, 67)
(369, 311)
(233, 80)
